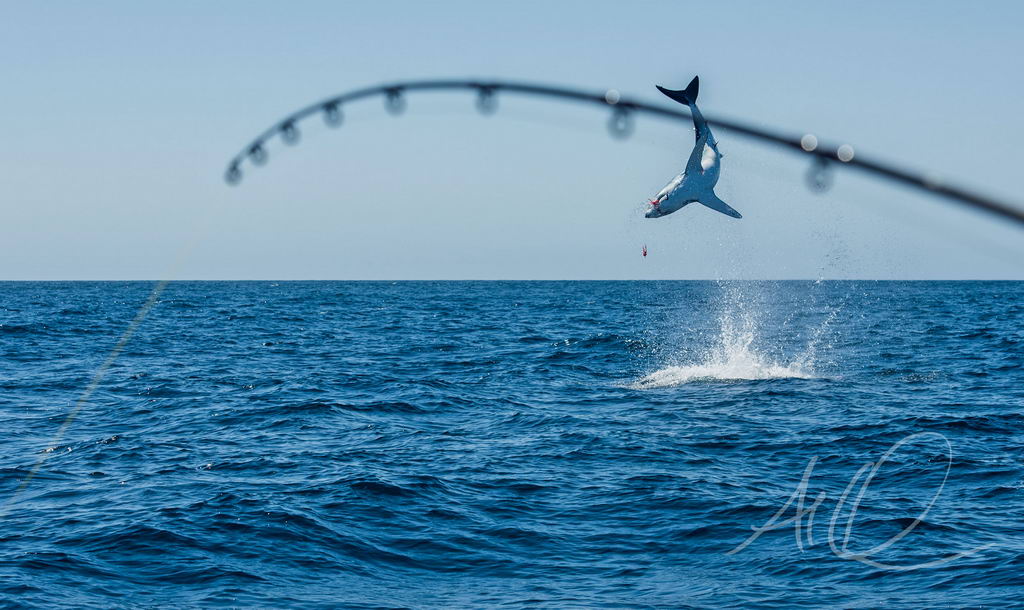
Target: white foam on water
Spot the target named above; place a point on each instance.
(740, 368)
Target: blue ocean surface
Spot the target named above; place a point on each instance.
(512, 444)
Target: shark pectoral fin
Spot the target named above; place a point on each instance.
(712, 201)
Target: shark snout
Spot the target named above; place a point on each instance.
(655, 209)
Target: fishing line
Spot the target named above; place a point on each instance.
(147, 306)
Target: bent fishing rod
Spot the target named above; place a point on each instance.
(620, 124)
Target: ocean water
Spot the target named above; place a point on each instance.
(513, 444)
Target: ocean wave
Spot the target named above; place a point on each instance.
(488, 454)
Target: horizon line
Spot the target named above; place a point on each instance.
(410, 280)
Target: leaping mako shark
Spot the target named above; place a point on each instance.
(698, 180)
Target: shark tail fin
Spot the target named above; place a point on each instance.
(686, 96)
(712, 201)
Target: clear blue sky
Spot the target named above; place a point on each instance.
(118, 119)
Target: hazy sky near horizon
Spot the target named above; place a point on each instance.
(119, 118)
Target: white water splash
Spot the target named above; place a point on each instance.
(735, 358)
(738, 367)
